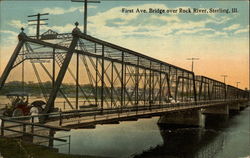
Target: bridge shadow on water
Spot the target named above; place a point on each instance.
(188, 142)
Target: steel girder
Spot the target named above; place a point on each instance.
(210, 89)
(115, 77)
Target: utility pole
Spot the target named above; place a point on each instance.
(237, 83)
(224, 76)
(193, 62)
(85, 12)
(38, 22)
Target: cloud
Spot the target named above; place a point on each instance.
(151, 25)
(17, 24)
(192, 31)
(59, 10)
(244, 30)
(8, 38)
(8, 32)
(232, 27)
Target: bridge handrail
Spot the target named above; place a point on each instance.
(90, 112)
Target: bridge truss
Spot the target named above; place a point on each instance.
(106, 75)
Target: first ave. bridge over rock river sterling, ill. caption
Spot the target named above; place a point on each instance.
(180, 10)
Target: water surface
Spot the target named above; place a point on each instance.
(222, 137)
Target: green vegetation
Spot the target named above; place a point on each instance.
(36, 90)
(15, 148)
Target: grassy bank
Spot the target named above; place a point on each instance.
(14, 148)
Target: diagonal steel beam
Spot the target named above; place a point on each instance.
(12, 60)
(63, 70)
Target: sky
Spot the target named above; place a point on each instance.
(219, 40)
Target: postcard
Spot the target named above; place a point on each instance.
(124, 78)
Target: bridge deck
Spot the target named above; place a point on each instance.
(82, 119)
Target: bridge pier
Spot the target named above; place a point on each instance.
(243, 105)
(234, 107)
(188, 118)
(218, 110)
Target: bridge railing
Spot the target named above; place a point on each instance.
(17, 128)
(66, 116)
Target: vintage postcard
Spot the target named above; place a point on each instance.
(124, 78)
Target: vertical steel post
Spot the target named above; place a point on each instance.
(122, 78)
(201, 89)
(168, 85)
(176, 84)
(23, 70)
(160, 86)
(137, 82)
(96, 82)
(176, 88)
(194, 88)
(169, 82)
(53, 68)
(77, 79)
(112, 83)
(153, 87)
(124, 84)
(102, 79)
(150, 86)
(23, 75)
(144, 87)
(53, 72)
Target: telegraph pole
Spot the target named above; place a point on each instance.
(224, 76)
(237, 83)
(85, 12)
(38, 22)
(193, 62)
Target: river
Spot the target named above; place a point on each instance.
(221, 137)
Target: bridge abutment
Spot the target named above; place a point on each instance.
(181, 119)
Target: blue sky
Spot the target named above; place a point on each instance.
(221, 38)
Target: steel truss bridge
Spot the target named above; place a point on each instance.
(107, 76)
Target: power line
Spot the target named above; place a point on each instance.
(224, 76)
(38, 22)
(193, 62)
(85, 12)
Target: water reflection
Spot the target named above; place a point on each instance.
(186, 143)
(221, 137)
(144, 138)
(121, 140)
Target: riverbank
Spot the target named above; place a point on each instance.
(10, 148)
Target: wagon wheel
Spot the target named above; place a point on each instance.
(17, 112)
